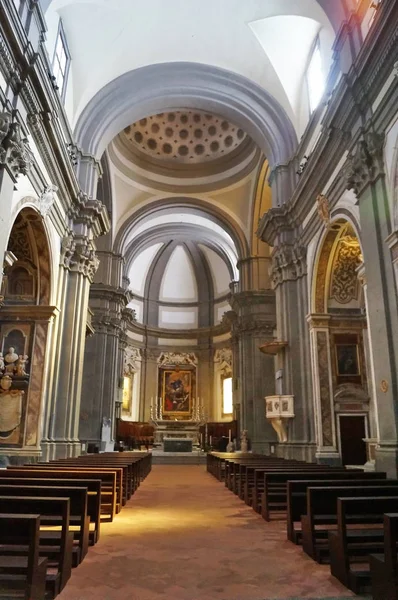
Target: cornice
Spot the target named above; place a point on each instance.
(158, 332)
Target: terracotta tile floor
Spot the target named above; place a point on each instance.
(184, 536)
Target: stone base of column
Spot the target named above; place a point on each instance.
(387, 460)
(263, 447)
(333, 459)
(297, 450)
(54, 449)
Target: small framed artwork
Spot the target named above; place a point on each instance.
(347, 359)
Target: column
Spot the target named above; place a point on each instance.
(103, 361)
(252, 324)
(365, 175)
(77, 267)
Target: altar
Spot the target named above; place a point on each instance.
(177, 445)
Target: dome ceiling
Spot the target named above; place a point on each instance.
(185, 136)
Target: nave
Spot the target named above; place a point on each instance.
(184, 536)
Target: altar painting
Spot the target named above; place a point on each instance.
(177, 390)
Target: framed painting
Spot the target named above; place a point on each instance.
(177, 390)
(347, 359)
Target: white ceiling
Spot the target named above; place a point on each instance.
(110, 37)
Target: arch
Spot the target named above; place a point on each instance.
(193, 206)
(160, 87)
(321, 272)
(36, 242)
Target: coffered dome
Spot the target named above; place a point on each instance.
(190, 136)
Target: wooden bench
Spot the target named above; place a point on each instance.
(359, 533)
(107, 478)
(321, 517)
(79, 522)
(297, 494)
(93, 487)
(59, 565)
(384, 567)
(270, 492)
(21, 576)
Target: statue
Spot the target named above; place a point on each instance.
(244, 445)
(22, 360)
(2, 365)
(11, 359)
(230, 446)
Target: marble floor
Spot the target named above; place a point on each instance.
(184, 536)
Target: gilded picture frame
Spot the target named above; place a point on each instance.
(177, 390)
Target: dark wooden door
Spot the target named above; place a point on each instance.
(352, 432)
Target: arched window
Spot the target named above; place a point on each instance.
(315, 77)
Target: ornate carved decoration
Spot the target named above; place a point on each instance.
(365, 163)
(47, 199)
(323, 209)
(289, 262)
(223, 355)
(14, 148)
(78, 255)
(177, 358)
(132, 360)
(344, 287)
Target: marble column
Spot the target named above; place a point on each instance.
(365, 175)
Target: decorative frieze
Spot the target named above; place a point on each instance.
(177, 358)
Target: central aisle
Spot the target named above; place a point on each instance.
(184, 536)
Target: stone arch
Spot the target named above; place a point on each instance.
(160, 87)
(192, 206)
(324, 254)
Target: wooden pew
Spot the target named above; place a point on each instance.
(297, 494)
(107, 478)
(77, 514)
(72, 468)
(21, 576)
(273, 498)
(384, 567)
(59, 556)
(93, 487)
(352, 541)
(321, 516)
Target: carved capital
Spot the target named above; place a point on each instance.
(78, 255)
(365, 163)
(14, 147)
(289, 263)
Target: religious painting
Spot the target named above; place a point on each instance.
(347, 360)
(177, 390)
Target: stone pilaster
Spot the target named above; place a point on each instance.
(253, 322)
(365, 175)
(77, 268)
(293, 362)
(103, 363)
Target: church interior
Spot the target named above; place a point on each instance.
(198, 296)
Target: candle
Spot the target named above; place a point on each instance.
(229, 434)
(211, 440)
